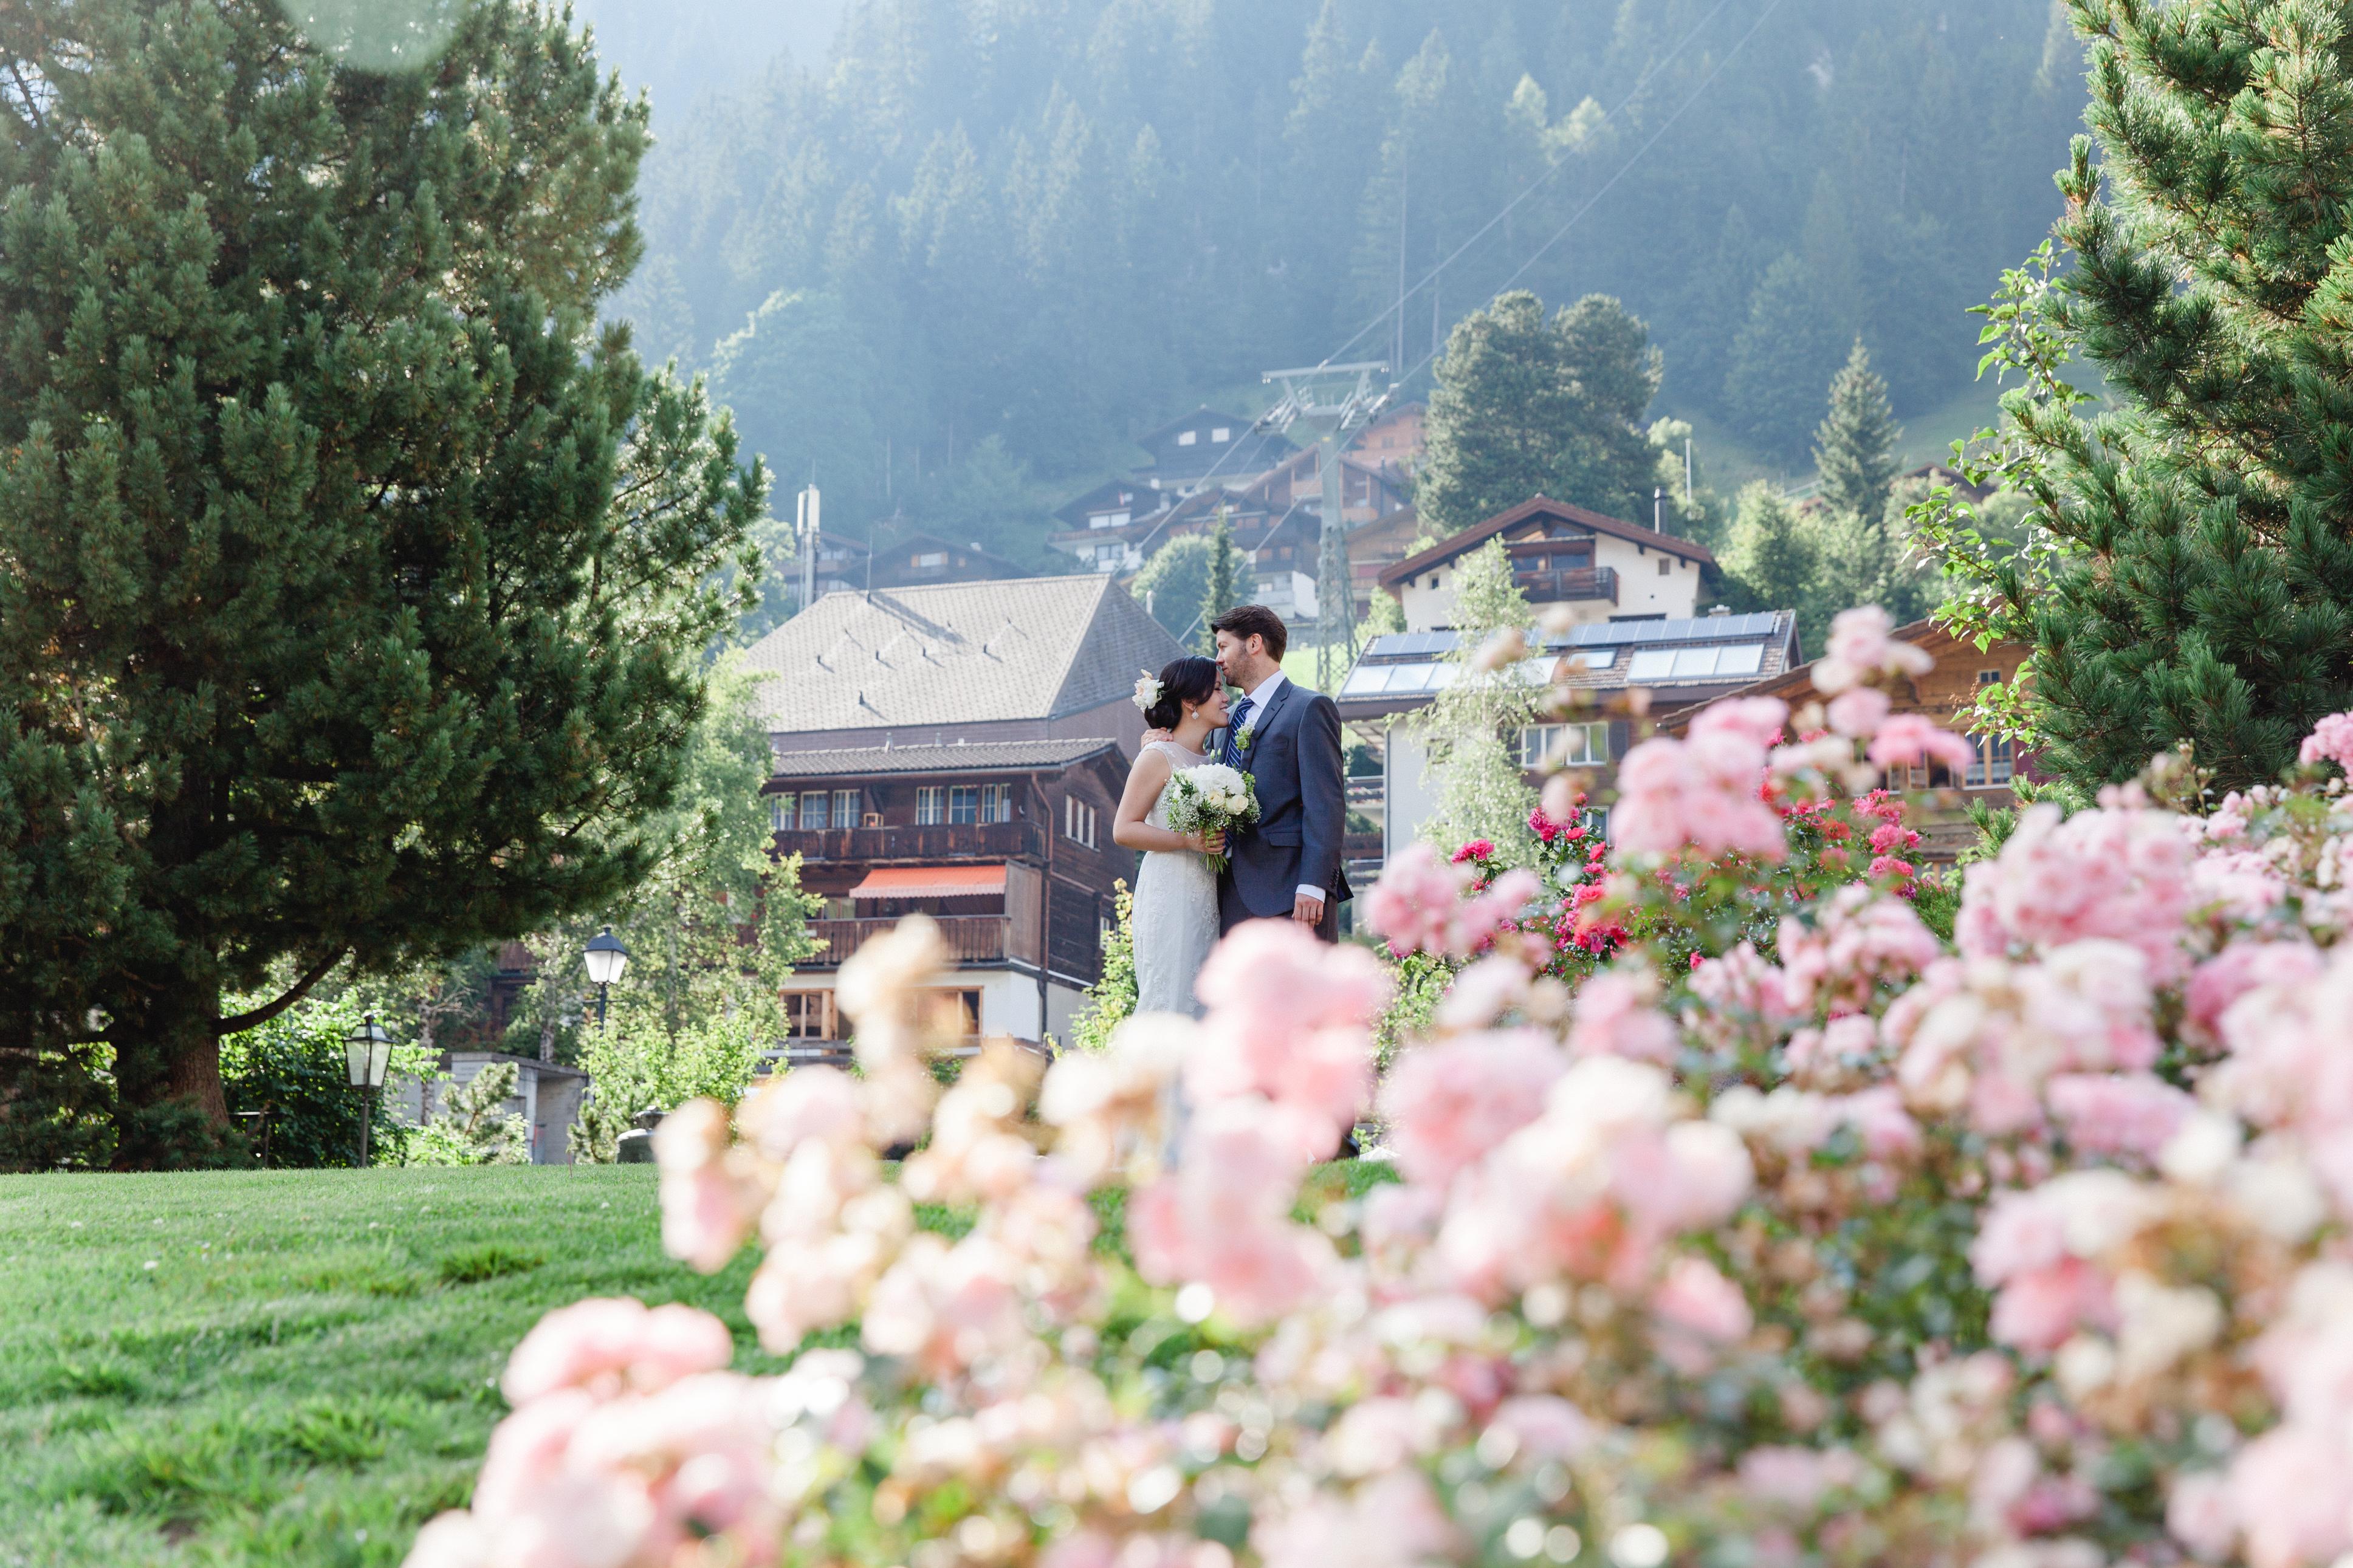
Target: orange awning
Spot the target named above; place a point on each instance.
(931, 882)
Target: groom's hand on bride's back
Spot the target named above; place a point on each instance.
(1153, 737)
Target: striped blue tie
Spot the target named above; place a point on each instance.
(1232, 754)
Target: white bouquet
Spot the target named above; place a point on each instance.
(1211, 798)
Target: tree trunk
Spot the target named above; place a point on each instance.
(171, 1112)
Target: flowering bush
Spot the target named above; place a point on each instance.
(1846, 1246)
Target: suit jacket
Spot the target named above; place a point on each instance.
(1294, 756)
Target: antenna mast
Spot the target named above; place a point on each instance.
(1335, 401)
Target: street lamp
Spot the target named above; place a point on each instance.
(367, 1051)
(606, 959)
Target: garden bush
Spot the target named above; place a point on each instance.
(1742, 1220)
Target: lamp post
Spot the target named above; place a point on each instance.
(367, 1051)
(606, 959)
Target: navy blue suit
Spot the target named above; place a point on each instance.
(1294, 756)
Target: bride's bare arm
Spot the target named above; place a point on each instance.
(1128, 828)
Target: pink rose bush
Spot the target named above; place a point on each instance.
(1845, 1245)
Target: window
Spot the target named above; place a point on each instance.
(1222, 433)
(845, 808)
(996, 803)
(1107, 519)
(1990, 762)
(931, 805)
(780, 811)
(1078, 821)
(932, 558)
(1186, 438)
(813, 812)
(963, 802)
(954, 1012)
(808, 1015)
(1988, 677)
(1665, 566)
(1106, 929)
(1565, 745)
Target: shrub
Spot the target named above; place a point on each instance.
(1789, 1233)
(292, 1071)
(477, 1129)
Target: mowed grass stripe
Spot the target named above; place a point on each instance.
(306, 1371)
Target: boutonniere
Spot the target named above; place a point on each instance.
(1242, 743)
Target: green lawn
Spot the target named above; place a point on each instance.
(287, 1366)
(298, 1367)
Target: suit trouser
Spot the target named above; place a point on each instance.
(1326, 929)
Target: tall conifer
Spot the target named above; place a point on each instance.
(2198, 582)
(353, 582)
(1854, 449)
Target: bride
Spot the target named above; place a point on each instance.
(1174, 922)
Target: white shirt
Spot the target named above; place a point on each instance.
(1258, 697)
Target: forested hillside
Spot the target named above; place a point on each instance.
(956, 269)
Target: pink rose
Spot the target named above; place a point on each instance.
(1451, 1102)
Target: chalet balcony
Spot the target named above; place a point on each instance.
(971, 939)
(1560, 585)
(940, 842)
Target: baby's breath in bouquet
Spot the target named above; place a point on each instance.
(1212, 798)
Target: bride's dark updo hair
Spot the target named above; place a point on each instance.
(1182, 681)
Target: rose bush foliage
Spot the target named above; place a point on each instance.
(1742, 1220)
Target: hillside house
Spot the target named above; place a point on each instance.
(958, 749)
(1209, 445)
(1602, 568)
(1007, 844)
(1678, 664)
(1945, 695)
(922, 558)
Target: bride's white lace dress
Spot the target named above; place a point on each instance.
(1174, 922)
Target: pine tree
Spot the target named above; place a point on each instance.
(2201, 587)
(1174, 584)
(1527, 407)
(1773, 561)
(1780, 355)
(1225, 588)
(353, 582)
(1854, 449)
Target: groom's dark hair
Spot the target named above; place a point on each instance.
(1256, 621)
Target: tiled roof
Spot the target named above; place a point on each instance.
(990, 756)
(956, 653)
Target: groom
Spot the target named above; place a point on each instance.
(1288, 739)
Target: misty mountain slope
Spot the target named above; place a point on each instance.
(992, 239)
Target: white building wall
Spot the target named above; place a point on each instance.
(1063, 1005)
(1641, 590)
(1427, 598)
(1410, 797)
(1008, 998)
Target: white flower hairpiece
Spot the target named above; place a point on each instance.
(1148, 691)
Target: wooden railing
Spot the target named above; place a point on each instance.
(971, 939)
(1554, 585)
(939, 842)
